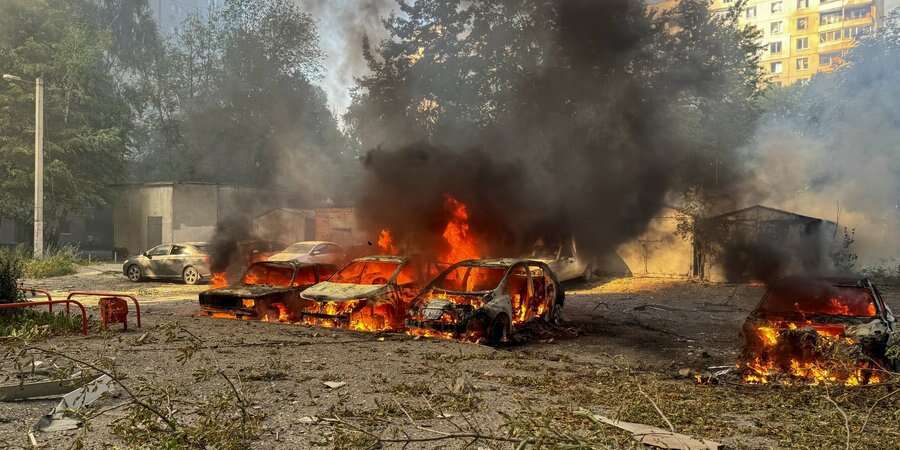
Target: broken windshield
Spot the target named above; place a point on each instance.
(366, 272)
(471, 279)
(268, 275)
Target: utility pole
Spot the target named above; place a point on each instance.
(38, 168)
(38, 162)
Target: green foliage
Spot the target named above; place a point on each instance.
(11, 270)
(57, 261)
(29, 324)
(233, 100)
(87, 114)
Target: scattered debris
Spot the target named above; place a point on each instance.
(334, 384)
(41, 389)
(462, 385)
(77, 399)
(309, 419)
(656, 437)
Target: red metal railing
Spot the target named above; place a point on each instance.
(137, 306)
(84, 321)
(35, 291)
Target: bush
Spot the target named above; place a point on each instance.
(28, 324)
(11, 270)
(56, 262)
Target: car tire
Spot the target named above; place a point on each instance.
(133, 273)
(190, 275)
(498, 332)
(588, 274)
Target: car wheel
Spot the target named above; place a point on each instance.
(497, 333)
(190, 275)
(133, 273)
(588, 274)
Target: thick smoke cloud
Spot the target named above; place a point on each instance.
(590, 147)
(343, 24)
(832, 152)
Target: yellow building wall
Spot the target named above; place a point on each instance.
(788, 14)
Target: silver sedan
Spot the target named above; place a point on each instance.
(188, 261)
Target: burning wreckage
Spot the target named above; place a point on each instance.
(819, 330)
(486, 300)
(267, 291)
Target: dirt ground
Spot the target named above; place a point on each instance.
(633, 336)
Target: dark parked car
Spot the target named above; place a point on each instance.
(268, 290)
(486, 300)
(800, 322)
(186, 261)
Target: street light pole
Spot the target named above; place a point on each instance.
(38, 168)
(38, 162)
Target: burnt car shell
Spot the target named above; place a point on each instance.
(870, 325)
(252, 298)
(491, 312)
(376, 301)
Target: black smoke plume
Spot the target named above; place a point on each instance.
(224, 248)
(590, 145)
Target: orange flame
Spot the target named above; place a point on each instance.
(386, 242)
(759, 369)
(462, 244)
(218, 280)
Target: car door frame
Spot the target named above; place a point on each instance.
(156, 263)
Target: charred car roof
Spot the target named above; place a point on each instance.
(385, 258)
(498, 262)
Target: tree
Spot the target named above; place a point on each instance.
(235, 102)
(87, 113)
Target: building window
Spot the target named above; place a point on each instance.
(750, 12)
(855, 32)
(802, 23)
(856, 13)
(776, 7)
(802, 4)
(802, 63)
(775, 27)
(775, 47)
(776, 67)
(830, 17)
(802, 43)
(830, 36)
(828, 59)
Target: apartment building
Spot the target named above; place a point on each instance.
(803, 37)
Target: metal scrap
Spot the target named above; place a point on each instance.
(77, 399)
(656, 437)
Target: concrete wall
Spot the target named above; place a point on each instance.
(284, 225)
(132, 207)
(195, 209)
(660, 251)
(338, 225)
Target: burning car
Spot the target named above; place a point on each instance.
(486, 300)
(267, 291)
(369, 294)
(820, 330)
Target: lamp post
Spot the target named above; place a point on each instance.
(38, 162)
